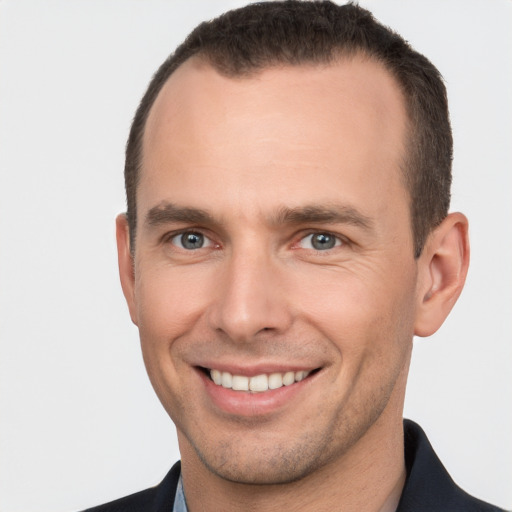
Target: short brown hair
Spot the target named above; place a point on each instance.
(244, 41)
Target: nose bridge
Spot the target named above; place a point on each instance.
(250, 299)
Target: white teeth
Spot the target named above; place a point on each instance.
(301, 375)
(275, 380)
(288, 378)
(216, 377)
(258, 383)
(227, 380)
(240, 383)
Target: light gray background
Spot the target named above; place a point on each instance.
(79, 422)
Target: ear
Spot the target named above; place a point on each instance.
(126, 264)
(442, 270)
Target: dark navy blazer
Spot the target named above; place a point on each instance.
(428, 488)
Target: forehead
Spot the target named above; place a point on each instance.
(358, 81)
(344, 123)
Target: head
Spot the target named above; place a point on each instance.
(275, 258)
(245, 41)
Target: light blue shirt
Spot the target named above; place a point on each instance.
(180, 504)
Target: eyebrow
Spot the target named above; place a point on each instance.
(167, 213)
(334, 214)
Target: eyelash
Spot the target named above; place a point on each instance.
(171, 236)
(339, 240)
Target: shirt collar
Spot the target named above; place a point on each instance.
(180, 505)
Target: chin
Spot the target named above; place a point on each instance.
(272, 462)
(259, 472)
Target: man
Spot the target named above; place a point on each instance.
(287, 233)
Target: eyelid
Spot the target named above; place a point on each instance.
(340, 240)
(168, 238)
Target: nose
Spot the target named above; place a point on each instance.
(250, 299)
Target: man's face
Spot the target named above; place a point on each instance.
(273, 239)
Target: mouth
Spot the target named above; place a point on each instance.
(258, 383)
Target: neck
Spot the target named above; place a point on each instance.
(369, 477)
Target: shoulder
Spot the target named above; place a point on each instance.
(429, 486)
(139, 501)
(155, 499)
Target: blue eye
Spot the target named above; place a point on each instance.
(320, 241)
(190, 241)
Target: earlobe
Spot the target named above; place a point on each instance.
(126, 264)
(442, 270)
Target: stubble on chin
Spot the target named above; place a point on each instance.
(259, 459)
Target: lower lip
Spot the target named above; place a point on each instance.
(247, 404)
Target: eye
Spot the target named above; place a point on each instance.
(191, 240)
(320, 241)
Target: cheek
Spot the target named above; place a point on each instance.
(370, 325)
(360, 309)
(169, 301)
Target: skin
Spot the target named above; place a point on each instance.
(258, 155)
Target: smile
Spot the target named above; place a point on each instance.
(257, 383)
